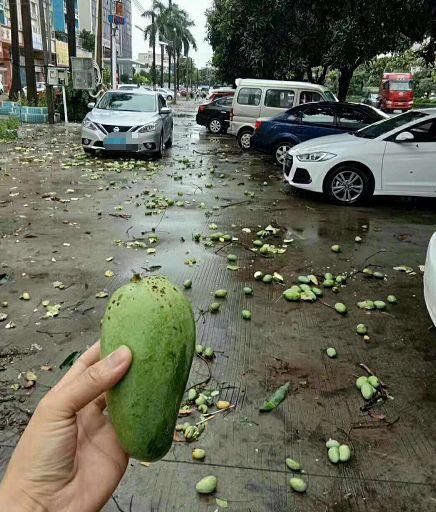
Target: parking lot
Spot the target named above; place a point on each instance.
(67, 218)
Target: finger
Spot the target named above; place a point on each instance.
(88, 358)
(94, 381)
(100, 402)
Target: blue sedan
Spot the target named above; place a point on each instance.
(277, 135)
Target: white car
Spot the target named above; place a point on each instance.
(430, 278)
(392, 157)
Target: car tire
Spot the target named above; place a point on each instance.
(89, 151)
(215, 126)
(280, 151)
(244, 138)
(160, 151)
(169, 142)
(348, 185)
(169, 97)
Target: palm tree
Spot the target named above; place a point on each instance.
(156, 15)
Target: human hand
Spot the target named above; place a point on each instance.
(69, 458)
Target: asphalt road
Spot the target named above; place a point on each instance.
(63, 216)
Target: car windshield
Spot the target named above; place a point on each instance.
(329, 96)
(396, 85)
(376, 130)
(127, 102)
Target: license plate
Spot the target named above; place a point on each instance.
(120, 142)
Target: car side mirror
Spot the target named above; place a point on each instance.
(165, 110)
(91, 105)
(404, 137)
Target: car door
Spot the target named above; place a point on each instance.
(247, 106)
(317, 120)
(410, 166)
(276, 101)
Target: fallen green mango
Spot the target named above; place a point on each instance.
(276, 399)
(341, 308)
(221, 294)
(291, 295)
(155, 320)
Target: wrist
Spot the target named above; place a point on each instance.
(17, 500)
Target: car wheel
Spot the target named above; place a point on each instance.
(89, 151)
(348, 185)
(244, 138)
(280, 152)
(169, 97)
(215, 126)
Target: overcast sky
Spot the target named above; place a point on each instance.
(196, 9)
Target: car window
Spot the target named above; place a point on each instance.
(352, 119)
(127, 102)
(424, 132)
(376, 130)
(228, 101)
(309, 97)
(249, 96)
(323, 116)
(279, 98)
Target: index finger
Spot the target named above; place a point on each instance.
(87, 359)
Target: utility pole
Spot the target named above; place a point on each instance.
(99, 42)
(114, 56)
(162, 49)
(71, 28)
(153, 37)
(48, 88)
(15, 51)
(26, 19)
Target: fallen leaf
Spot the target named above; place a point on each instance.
(150, 251)
(3, 317)
(70, 359)
(15, 387)
(31, 376)
(53, 311)
(110, 258)
(10, 325)
(59, 284)
(233, 267)
(101, 295)
(25, 296)
(185, 412)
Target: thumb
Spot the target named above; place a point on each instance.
(94, 381)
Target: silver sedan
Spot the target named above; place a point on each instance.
(137, 121)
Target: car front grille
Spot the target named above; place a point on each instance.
(109, 128)
(301, 176)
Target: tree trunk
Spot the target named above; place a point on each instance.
(344, 82)
(162, 49)
(153, 42)
(309, 73)
(322, 77)
(169, 68)
(32, 96)
(178, 70)
(15, 51)
(71, 28)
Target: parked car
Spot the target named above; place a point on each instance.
(372, 98)
(2, 89)
(220, 92)
(168, 94)
(392, 157)
(136, 121)
(268, 98)
(128, 87)
(277, 135)
(215, 115)
(430, 278)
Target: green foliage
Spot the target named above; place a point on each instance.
(87, 40)
(77, 103)
(124, 78)
(289, 39)
(9, 129)
(141, 79)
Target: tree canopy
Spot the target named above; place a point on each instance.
(287, 39)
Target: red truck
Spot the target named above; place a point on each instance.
(396, 92)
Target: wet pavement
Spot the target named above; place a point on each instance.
(68, 218)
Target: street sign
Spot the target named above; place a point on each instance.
(118, 17)
(57, 76)
(83, 73)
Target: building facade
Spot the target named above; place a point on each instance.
(146, 59)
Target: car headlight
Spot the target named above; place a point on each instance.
(318, 156)
(87, 123)
(149, 127)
